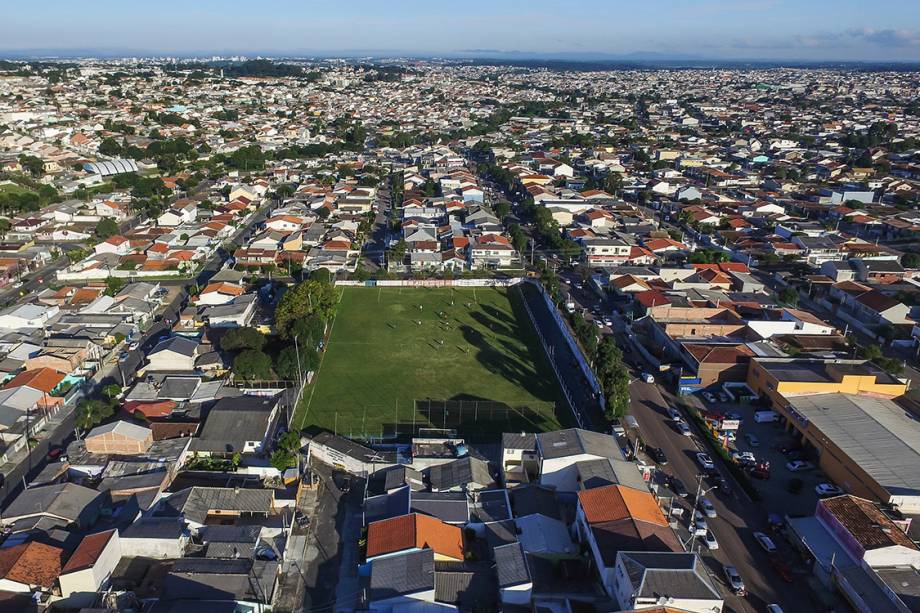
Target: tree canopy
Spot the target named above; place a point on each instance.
(307, 299)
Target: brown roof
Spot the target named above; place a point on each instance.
(414, 531)
(163, 430)
(88, 551)
(719, 354)
(616, 502)
(41, 379)
(871, 528)
(31, 563)
(877, 301)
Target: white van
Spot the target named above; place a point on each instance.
(765, 417)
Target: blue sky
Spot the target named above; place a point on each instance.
(718, 29)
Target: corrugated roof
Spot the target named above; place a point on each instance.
(875, 433)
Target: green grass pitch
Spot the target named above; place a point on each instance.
(392, 349)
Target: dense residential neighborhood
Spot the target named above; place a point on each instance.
(416, 335)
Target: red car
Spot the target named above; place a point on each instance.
(54, 452)
(781, 568)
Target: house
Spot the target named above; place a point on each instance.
(616, 518)
(67, 503)
(29, 567)
(348, 455)
(175, 353)
(118, 245)
(160, 538)
(242, 424)
(90, 567)
(414, 532)
(27, 316)
(224, 584)
(605, 252)
(561, 450)
(515, 586)
(399, 581)
(43, 380)
(237, 313)
(463, 474)
(645, 579)
(119, 437)
(491, 251)
(219, 293)
(197, 505)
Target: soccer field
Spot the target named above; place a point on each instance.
(395, 354)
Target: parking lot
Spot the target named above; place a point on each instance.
(778, 494)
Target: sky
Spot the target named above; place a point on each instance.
(870, 30)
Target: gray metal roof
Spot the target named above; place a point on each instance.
(875, 433)
(195, 503)
(460, 472)
(609, 471)
(65, 500)
(450, 507)
(511, 565)
(676, 575)
(575, 441)
(401, 574)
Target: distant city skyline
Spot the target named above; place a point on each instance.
(769, 30)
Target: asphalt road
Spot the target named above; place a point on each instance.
(561, 353)
(737, 519)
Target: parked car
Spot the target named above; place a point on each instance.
(743, 457)
(648, 377)
(782, 569)
(799, 466)
(708, 509)
(678, 488)
(752, 440)
(774, 608)
(765, 542)
(705, 461)
(673, 413)
(55, 451)
(699, 526)
(723, 397)
(710, 540)
(760, 472)
(795, 486)
(657, 454)
(683, 428)
(733, 578)
(828, 489)
(709, 397)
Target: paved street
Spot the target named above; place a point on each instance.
(561, 353)
(738, 517)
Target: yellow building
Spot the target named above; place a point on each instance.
(776, 378)
(843, 411)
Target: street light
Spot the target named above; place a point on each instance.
(696, 502)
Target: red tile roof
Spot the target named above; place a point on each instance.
(41, 379)
(414, 531)
(88, 551)
(31, 563)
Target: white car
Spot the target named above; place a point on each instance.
(684, 428)
(708, 509)
(765, 541)
(705, 461)
(827, 489)
(710, 540)
(648, 377)
(796, 466)
(744, 457)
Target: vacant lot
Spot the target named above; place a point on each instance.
(394, 353)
